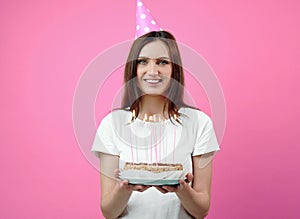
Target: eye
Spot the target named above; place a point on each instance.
(142, 61)
(163, 62)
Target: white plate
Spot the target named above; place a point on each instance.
(149, 178)
(152, 182)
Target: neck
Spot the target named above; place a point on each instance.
(153, 105)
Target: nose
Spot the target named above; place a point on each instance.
(152, 67)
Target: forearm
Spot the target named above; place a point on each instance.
(115, 202)
(195, 203)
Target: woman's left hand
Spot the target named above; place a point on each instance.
(183, 185)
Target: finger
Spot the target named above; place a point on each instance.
(170, 188)
(159, 188)
(182, 184)
(147, 187)
(140, 188)
(117, 173)
(125, 185)
(189, 177)
(144, 189)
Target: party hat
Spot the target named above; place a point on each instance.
(144, 21)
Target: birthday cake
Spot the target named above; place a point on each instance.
(154, 168)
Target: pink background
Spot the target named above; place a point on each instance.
(253, 46)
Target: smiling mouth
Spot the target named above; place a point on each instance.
(153, 81)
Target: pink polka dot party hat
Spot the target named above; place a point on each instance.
(144, 21)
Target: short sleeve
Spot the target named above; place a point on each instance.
(104, 138)
(206, 140)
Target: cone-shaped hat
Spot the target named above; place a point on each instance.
(144, 21)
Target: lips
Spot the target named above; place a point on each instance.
(153, 81)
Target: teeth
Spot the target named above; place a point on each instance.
(152, 81)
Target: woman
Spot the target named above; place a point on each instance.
(154, 86)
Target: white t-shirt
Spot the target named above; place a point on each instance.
(156, 142)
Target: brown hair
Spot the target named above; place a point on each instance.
(132, 94)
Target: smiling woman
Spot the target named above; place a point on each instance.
(154, 88)
(154, 69)
(154, 56)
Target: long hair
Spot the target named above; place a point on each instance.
(132, 94)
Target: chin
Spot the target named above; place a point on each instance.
(154, 93)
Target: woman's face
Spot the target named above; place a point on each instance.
(154, 68)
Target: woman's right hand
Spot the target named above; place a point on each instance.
(124, 184)
(115, 192)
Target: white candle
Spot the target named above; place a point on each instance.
(166, 141)
(160, 139)
(175, 118)
(145, 139)
(155, 139)
(151, 135)
(130, 136)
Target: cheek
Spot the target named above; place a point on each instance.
(139, 71)
(139, 81)
(139, 75)
(168, 72)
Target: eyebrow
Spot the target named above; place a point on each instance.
(144, 57)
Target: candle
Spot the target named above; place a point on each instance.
(151, 135)
(166, 141)
(175, 118)
(160, 139)
(130, 125)
(155, 140)
(145, 139)
(130, 136)
(136, 146)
